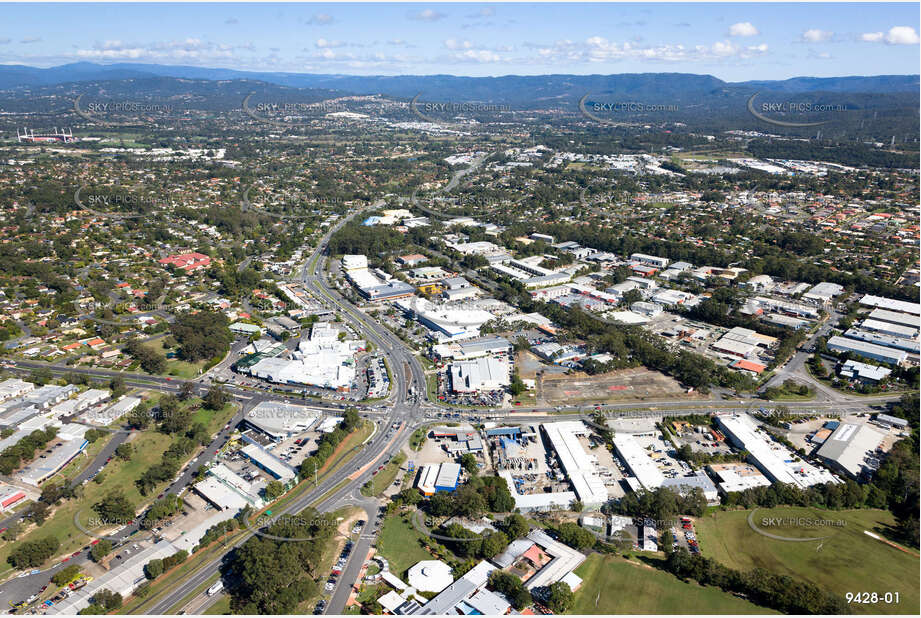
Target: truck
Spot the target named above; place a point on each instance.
(215, 588)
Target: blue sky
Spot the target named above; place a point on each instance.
(733, 41)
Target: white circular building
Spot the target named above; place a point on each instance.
(430, 576)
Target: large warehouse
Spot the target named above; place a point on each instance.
(777, 463)
(638, 461)
(280, 420)
(849, 447)
(578, 465)
(481, 374)
(867, 350)
(438, 477)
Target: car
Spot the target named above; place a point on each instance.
(75, 554)
(96, 542)
(66, 559)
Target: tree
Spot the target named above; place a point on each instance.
(124, 451)
(174, 419)
(493, 544)
(100, 550)
(115, 508)
(216, 398)
(560, 597)
(516, 386)
(186, 391)
(65, 575)
(154, 568)
(511, 587)
(515, 526)
(468, 462)
(575, 536)
(273, 490)
(30, 554)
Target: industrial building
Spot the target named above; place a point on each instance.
(268, 463)
(823, 292)
(111, 413)
(468, 350)
(10, 496)
(638, 461)
(891, 304)
(685, 484)
(42, 469)
(775, 461)
(652, 260)
(438, 477)
(226, 489)
(895, 317)
(867, 350)
(733, 477)
(14, 387)
(579, 466)
(480, 374)
(888, 328)
(446, 323)
(851, 449)
(897, 343)
(891, 421)
(862, 372)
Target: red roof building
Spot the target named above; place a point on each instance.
(187, 261)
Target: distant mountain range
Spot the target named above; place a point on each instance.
(514, 90)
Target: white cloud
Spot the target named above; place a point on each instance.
(455, 44)
(31, 39)
(478, 55)
(427, 15)
(321, 19)
(231, 21)
(743, 28)
(484, 12)
(902, 35)
(897, 35)
(326, 44)
(814, 35)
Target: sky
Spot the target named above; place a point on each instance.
(732, 41)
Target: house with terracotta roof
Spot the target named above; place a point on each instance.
(187, 261)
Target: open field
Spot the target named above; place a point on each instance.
(847, 560)
(175, 367)
(402, 544)
(148, 449)
(624, 384)
(613, 585)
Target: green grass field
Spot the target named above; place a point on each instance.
(846, 561)
(402, 544)
(148, 449)
(383, 479)
(612, 585)
(175, 367)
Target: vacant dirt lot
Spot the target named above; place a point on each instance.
(623, 385)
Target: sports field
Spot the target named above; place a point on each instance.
(846, 560)
(612, 585)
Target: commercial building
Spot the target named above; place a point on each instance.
(652, 260)
(867, 350)
(455, 599)
(888, 328)
(280, 420)
(637, 460)
(446, 323)
(42, 469)
(438, 477)
(323, 361)
(732, 477)
(775, 461)
(10, 496)
(527, 503)
(480, 374)
(579, 466)
(686, 484)
(268, 463)
(14, 387)
(226, 489)
(869, 374)
(471, 349)
(81, 402)
(245, 328)
(850, 448)
(890, 304)
(895, 317)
